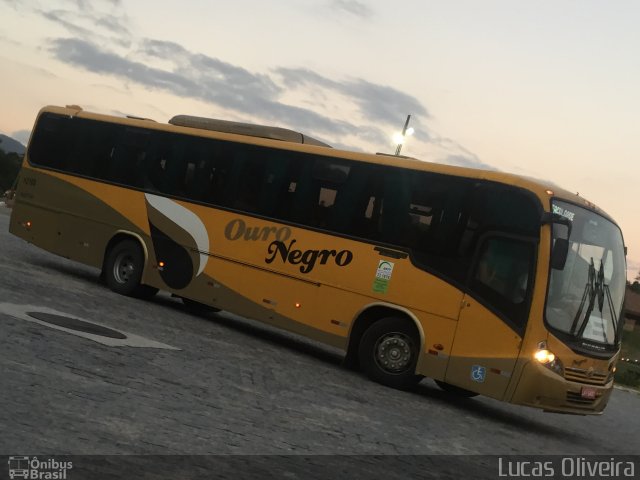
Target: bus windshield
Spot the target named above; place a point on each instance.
(585, 298)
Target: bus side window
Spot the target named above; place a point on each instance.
(164, 165)
(213, 171)
(221, 166)
(351, 201)
(365, 218)
(102, 142)
(197, 175)
(284, 207)
(92, 147)
(311, 190)
(489, 207)
(51, 141)
(274, 186)
(247, 177)
(395, 218)
(129, 158)
(502, 275)
(78, 158)
(303, 192)
(176, 166)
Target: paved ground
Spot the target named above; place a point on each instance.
(233, 386)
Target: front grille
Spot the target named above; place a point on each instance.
(589, 377)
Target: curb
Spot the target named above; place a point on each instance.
(627, 389)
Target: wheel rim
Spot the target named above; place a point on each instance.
(123, 268)
(393, 352)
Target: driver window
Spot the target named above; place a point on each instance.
(502, 276)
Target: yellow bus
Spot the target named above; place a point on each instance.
(488, 283)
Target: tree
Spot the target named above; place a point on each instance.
(635, 286)
(9, 168)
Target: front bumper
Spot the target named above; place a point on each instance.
(539, 387)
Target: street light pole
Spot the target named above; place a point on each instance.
(404, 131)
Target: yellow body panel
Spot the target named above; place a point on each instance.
(489, 346)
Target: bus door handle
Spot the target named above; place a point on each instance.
(387, 252)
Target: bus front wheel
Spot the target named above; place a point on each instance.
(388, 352)
(123, 270)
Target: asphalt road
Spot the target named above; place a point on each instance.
(190, 385)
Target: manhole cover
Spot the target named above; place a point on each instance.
(77, 325)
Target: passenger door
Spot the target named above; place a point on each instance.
(493, 315)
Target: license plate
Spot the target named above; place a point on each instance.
(588, 392)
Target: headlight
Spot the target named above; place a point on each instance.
(548, 359)
(544, 356)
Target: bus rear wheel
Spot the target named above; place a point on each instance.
(123, 270)
(388, 352)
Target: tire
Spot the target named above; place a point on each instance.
(123, 269)
(197, 308)
(458, 391)
(388, 352)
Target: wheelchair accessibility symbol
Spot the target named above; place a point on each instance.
(478, 373)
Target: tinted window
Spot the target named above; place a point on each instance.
(502, 276)
(316, 187)
(51, 140)
(439, 218)
(91, 147)
(201, 176)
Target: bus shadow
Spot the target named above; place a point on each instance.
(498, 413)
(426, 389)
(69, 269)
(255, 329)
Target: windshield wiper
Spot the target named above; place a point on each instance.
(595, 288)
(589, 292)
(605, 292)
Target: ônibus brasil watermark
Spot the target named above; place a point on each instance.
(37, 469)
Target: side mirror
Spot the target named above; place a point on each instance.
(549, 217)
(559, 253)
(560, 245)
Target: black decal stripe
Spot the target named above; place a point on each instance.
(178, 269)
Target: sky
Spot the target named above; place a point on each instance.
(546, 88)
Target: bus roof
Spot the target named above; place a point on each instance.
(249, 129)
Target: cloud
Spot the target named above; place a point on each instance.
(91, 20)
(58, 16)
(374, 110)
(379, 102)
(353, 7)
(212, 72)
(351, 111)
(378, 105)
(201, 77)
(453, 153)
(90, 57)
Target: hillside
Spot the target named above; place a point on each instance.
(9, 145)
